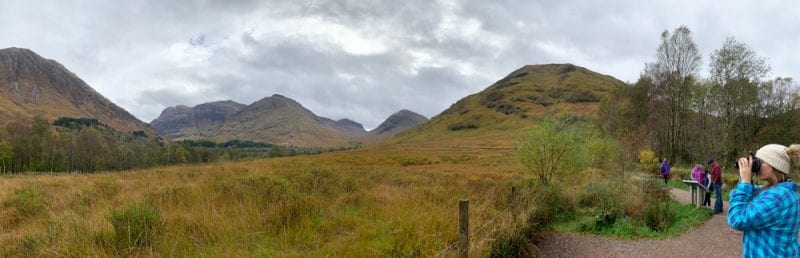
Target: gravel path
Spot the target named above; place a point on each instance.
(713, 239)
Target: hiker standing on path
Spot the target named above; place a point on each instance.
(665, 171)
(697, 173)
(707, 186)
(716, 182)
(768, 215)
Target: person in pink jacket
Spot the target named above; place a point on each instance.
(697, 173)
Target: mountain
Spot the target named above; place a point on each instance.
(281, 120)
(399, 122)
(349, 127)
(498, 115)
(275, 119)
(31, 85)
(182, 122)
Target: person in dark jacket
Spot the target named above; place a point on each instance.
(716, 183)
(665, 171)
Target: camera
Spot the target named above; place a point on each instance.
(756, 166)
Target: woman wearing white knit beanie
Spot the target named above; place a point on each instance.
(769, 215)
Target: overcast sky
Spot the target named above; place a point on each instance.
(365, 60)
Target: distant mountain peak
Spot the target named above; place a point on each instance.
(398, 122)
(182, 122)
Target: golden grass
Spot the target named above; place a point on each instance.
(370, 202)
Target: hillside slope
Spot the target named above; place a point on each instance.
(498, 115)
(34, 86)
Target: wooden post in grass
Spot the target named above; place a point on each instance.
(463, 228)
(513, 197)
(513, 203)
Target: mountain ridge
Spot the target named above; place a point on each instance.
(503, 112)
(31, 85)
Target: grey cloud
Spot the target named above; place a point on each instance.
(131, 52)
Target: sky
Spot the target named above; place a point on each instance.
(365, 60)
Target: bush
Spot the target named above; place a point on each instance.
(462, 126)
(549, 202)
(648, 161)
(411, 161)
(659, 216)
(730, 180)
(654, 190)
(678, 174)
(561, 142)
(582, 96)
(542, 204)
(28, 202)
(136, 224)
(608, 197)
(604, 154)
(512, 245)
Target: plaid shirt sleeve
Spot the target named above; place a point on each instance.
(746, 213)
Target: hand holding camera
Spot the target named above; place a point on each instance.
(748, 167)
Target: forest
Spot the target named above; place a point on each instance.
(687, 117)
(86, 145)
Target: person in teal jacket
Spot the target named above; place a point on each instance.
(769, 215)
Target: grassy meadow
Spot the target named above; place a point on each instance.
(368, 202)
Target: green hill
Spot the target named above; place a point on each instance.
(496, 116)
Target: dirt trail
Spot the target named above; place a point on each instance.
(713, 239)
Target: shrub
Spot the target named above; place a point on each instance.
(136, 224)
(678, 174)
(648, 161)
(462, 126)
(541, 204)
(730, 180)
(659, 216)
(604, 153)
(608, 197)
(654, 190)
(581, 96)
(29, 202)
(549, 202)
(512, 245)
(411, 161)
(560, 142)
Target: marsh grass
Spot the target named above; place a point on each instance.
(401, 202)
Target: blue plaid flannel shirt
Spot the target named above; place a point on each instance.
(770, 220)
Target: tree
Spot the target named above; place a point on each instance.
(6, 155)
(676, 66)
(90, 150)
(19, 138)
(551, 150)
(737, 74)
(181, 154)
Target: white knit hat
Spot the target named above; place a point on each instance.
(775, 155)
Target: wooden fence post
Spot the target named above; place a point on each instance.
(463, 228)
(513, 197)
